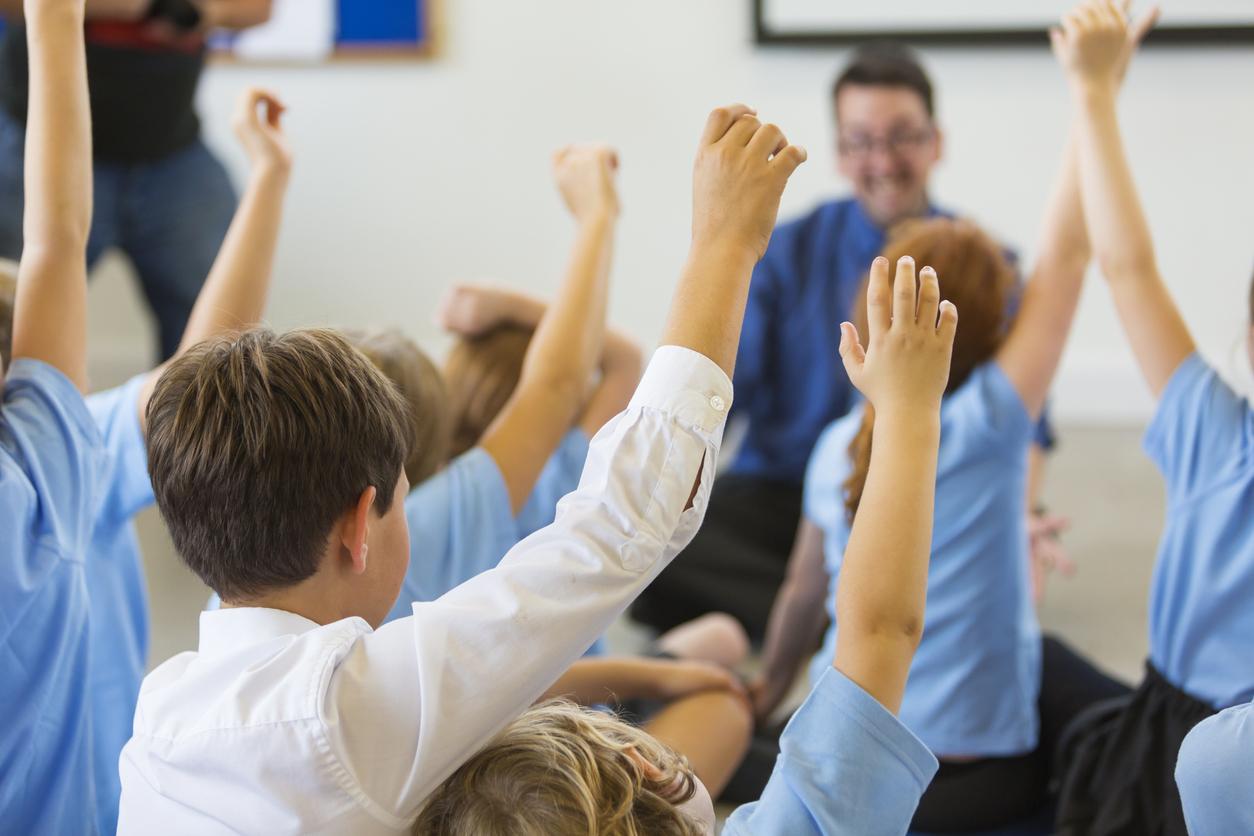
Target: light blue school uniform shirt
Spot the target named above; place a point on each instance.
(118, 624)
(846, 766)
(1215, 774)
(976, 676)
(50, 465)
(1201, 615)
(461, 523)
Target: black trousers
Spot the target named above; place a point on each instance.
(1118, 774)
(989, 793)
(736, 562)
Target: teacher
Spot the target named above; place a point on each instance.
(789, 381)
(160, 196)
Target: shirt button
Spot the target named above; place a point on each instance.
(718, 403)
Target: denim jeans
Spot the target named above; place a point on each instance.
(168, 216)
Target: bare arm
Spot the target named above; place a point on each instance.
(741, 169)
(622, 363)
(95, 9)
(568, 340)
(609, 679)
(882, 591)
(1034, 346)
(797, 620)
(50, 319)
(234, 295)
(234, 14)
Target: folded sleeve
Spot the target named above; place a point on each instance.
(847, 766)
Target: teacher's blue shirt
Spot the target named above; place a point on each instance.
(790, 383)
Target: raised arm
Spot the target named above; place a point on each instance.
(94, 9)
(797, 620)
(883, 580)
(1121, 237)
(469, 311)
(234, 14)
(616, 678)
(50, 311)
(741, 169)
(234, 295)
(569, 337)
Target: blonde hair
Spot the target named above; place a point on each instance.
(421, 385)
(8, 294)
(976, 276)
(562, 770)
(481, 373)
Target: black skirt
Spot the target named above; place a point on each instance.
(1117, 775)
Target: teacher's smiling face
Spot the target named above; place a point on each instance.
(887, 144)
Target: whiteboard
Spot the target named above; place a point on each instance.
(801, 20)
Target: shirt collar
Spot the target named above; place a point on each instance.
(229, 629)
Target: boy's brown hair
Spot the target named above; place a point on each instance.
(8, 293)
(422, 386)
(259, 442)
(481, 374)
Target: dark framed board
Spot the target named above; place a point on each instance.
(990, 22)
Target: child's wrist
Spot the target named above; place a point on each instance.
(725, 252)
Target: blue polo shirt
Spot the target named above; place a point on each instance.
(115, 579)
(50, 466)
(1215, 774)
(1201, 614)
(976, 675)
(461, 523)
(846, 766)
(789, 380)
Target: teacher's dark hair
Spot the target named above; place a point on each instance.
(886, 64)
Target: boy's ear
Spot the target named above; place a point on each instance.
(355, 529)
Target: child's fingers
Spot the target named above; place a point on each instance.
(743, 130)
(768, 140)
(1144, 24)
(929, 297)
(948, 325)
(905, 291)
(720, 119)
(879, 304)
(851, 352)
(788, 159)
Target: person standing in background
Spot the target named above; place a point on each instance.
(160, 195)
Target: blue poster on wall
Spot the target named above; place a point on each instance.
(313, 30)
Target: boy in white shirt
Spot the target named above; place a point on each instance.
(277, 461)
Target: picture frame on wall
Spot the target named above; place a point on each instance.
(839, 22)
(313, 31)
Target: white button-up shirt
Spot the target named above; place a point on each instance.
(281, 725)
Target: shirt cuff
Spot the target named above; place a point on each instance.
(686, 384)
(837, 700)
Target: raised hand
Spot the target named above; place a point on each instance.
(585, 177)
(905, 365)
(468, 311)
(256, 123)
(741, 169)
(1094, 44)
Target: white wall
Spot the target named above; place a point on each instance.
(411, 175)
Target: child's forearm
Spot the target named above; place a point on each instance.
(1120, 233)
(569, 336)
(883, 580)
(95, 9)
(1121, 237)
(709, 303)
(597, 681)
(50, 322)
